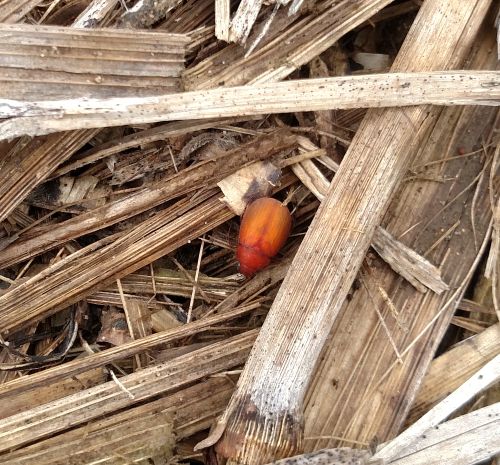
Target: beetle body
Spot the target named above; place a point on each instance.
(264, 229)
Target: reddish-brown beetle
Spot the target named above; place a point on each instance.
(264, 229)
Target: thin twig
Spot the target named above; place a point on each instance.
(381, 319)
(6, 280)
(442, 160)
(120, 385)
(190, 310)
(443, 237)
(264, 30)
(153, 283)
(127, 317)
(193, 282)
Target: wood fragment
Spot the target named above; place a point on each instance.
(144, 13)
(104, 298)
(339, 456)
(454, 367)
(413, 267)
(263, 30)
(497, 24)
(98, 264)
(12, 12)
(174, 283)
(404, 443)
(139, 439)
(94, 14)
(492, 270)
(222, 19)
(470, 324)
(465, 440)
(369, 366)
(65, 62)
(243, 20)
(468, 305)
(324, 119)
(295, 7)
(370, 91)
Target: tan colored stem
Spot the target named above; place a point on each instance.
(395, 89)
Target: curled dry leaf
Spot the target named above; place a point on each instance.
(372, 61)
(248, 184)
(114, 328)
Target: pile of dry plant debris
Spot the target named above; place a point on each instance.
(134, 133)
